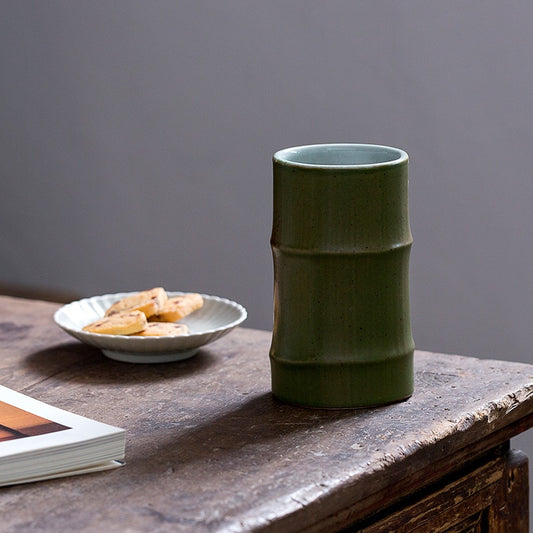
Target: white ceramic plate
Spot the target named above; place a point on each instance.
(215, 319)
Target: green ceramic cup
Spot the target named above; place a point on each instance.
(341, 242)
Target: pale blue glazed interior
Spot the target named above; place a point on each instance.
(340, 155)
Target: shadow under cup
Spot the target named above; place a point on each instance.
(341, 242)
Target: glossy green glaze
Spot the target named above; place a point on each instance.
(341, 242)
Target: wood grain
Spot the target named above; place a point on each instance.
(487, 498)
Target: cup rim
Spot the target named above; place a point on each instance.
(281, 156)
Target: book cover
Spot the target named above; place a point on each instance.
(39, 441)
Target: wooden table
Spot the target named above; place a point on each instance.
(209, 449)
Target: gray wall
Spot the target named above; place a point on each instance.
(136, 141)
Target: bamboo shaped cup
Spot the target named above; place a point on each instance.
(341, 243)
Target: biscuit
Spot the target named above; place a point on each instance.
(160, 329)
(149, 302)
(178, 307)
(118, 324)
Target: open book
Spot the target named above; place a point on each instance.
(38, 441)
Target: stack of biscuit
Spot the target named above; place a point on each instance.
(149, 313)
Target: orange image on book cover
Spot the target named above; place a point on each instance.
(16, 423)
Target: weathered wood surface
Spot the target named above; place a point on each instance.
(490, 498)
(209, 449)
